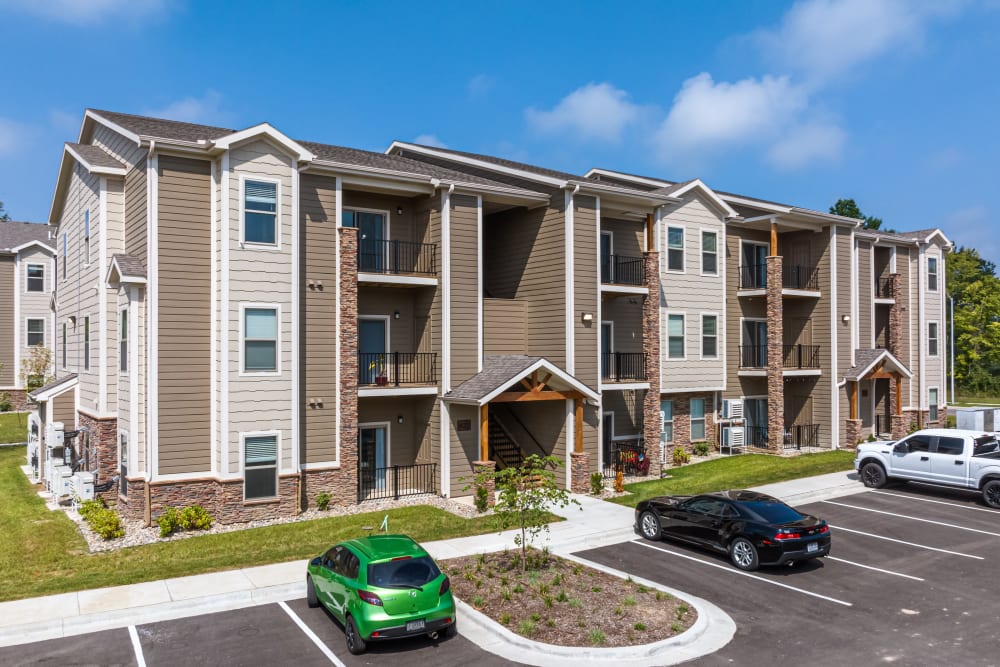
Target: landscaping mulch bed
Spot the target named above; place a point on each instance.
(557, 601)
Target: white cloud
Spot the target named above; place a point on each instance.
(803, 145)
(480, 85)
(429, 140)
(595, 111)
(10, 136)
(88, 12)
(205, 110)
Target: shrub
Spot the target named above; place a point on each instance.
(5, 404)
(596, 637)
(700, 448)
(106, 523)
(89, 507)
(871, 437)
(195, 517)
(596, 484)
(640, 626)
(168, 522)
(323, 501)
(526, 628)
(681, 456)
(482, 499)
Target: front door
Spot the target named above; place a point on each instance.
(755, 412)
(754, 266)
(373, 456)
(371, 237)
(754, 344)
(607, 347)
(372, 361)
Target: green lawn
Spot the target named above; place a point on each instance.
(13, 427)
(968, 400)
(738, 472)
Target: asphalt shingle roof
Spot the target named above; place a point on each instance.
(52, 385)
(14, 234)
(863, 360)
(498, 371)
(96, 156)
(130, 266)
(159, 128)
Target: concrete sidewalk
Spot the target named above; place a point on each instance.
(594, 523)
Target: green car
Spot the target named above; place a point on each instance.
(382, 587)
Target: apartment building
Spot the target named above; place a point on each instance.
(251, 320)
(26, 279)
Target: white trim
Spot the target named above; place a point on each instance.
(622, 289)
(937, 324)
(801, 372)
(102, 296)
(133, 380)
(338, 213)
(18, 249)
(153, 319)
(445, 290)
(666, 330)
(382, 318)
(293, 247)
(621, 386)
(937, 408)
(611, 342)
(834, 343)
(921, 314)
(701, 250)
(600, 307)
(388, 278)
(401, 391)
(90, 113)
(114, 275)
(871, 303)
(107, 171)
(683, 269)
(445, 447)
(709, 192)
(16, 371)
(321, 465)
(570, 422)
(277, 462)
(96, 414)
(462, 159)
(55, 390)
(243, 306)
(224, 314)
(213, 392)
(627, 177)
(45, 336)
(27, 265)
(388, 439)
(879, 357)
(128, 339)
(479, 284)
(690, 390)
(266, 129)
(785, 291)
(386, 220)
(854, 298)
(550, 368)
(937, 272)
(701, 335)
(569, 213)
(256, 245)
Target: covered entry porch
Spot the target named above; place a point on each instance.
(875, 396)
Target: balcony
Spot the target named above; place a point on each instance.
(753, 276)
(623, 270)
(883, 289)
(753, 356)
(793, 277)
(797, 436)
(800, 356)
(623, 367)
(397, 258)
(397, 369)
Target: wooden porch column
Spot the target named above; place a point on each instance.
(899, 394)
(854, 400)
(774, 238)
(650, 235)
(578, 444)
(484, 432)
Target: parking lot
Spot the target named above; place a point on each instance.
(912, 579)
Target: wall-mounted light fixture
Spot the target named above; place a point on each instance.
(395, 315)
(399, 210)
(588, 317)
(399, 419)
(845, 319)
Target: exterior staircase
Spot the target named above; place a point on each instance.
(503, 449)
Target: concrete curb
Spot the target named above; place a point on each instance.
(713, 630)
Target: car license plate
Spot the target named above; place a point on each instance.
(415, 626)
(812, 546)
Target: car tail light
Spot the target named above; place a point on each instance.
(782, 535)
(445, 586)
(370, 598)
(824, 529)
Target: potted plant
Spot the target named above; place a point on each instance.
(377, 369)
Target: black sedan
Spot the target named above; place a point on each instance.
(753, 528)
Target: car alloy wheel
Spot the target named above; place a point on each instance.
(991, 493)
(873, 476)
(650, 526)
(355, 644)
(743, 554)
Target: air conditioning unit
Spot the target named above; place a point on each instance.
(83, 485)
(732, 408)
(733, 436)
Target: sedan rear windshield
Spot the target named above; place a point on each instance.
(403, 573)
(772, 512)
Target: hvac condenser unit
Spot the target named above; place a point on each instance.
(732, 408)
(83, 485)
(733, 436)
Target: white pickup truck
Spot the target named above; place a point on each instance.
(950, 457)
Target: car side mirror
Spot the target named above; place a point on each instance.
(316, 562)
(901, 448)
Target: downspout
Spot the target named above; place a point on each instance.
(148, 512)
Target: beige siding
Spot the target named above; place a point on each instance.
(464, 446)
(7, 371)
(465, 290)
(626, 236)
(64, 409)
(626, 319)
(122, 148)
(586, 260)
(409, 442)
(116, 379)
(903, 298)
(505, 326)
(34, 305)
(114, 240)
(934, 311)
(865, 295)
(135, 211)
(627, 410)
(737, 307)
(183, 292)
(845, 297)
(546, 421)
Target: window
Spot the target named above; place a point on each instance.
(260, 212)
(932, 274)
(697, 419)
(932, 404)
(86, 343)
(260, 466)
(951, 446)
(709, 253)
(675, 336)
(932, 339)
(123, 340)
(64, 345)
(86, 236)
(667, 409)
(64, 256)
(260, 339)
(709, 336)
(919, 443)
(36, 278)
(123, 460)
(675, 248)
(36, 332)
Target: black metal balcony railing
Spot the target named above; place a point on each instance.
(629, 456)
(397, 481)
(391, 369)
(883, 289)
(753, 276)
(756, 437)
(623, 270)
(801, 356)
(753, 356)
(800, 277)
(397, 257)
(798, 436)
(623, 366)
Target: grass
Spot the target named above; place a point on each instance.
(971, 400)
(737, 472)
(43, 553)
(13, 427)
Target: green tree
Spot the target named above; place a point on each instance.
(973, 284)
(849, 209)
(3, 213)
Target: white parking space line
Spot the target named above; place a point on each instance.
(140, 660)
(877, 569)
(909, 544)
(742, 573)
(312, 635)
(930, 500)
(911, 518)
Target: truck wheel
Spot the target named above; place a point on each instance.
(991, 493)
(873, 475)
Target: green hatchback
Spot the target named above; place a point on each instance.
(382, 587)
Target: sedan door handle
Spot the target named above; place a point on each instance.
(925, 458)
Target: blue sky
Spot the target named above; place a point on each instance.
(891, 102)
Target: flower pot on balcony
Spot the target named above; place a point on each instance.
(381, 380)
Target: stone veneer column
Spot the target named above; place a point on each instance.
(347, 483)
(579, 472)
(900, 424)
(895, 317)
(651, 347)
(103, 450)
(488, 467)
(853, 433)
(775, 356)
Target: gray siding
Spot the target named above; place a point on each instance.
(505, 326)
(135, 211)
(8, 373)
(586, 260)
(865, 295)
(465, 290)
(409, 442)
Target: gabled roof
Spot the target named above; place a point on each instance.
(866, 359)
(502, 370)
(54, 388)
(96, 160)
(16, 236)
(126, 269)
(144, 127)
(679, 189)
(914, 238)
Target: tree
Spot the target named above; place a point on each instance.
(3, 213)
(849, 209)
(36, 370)
(524, 496)
(973, 284)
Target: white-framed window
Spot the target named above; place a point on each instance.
(675, 336)
(932, 404)
(259, 333)
(675, 249)
(123, 463)
(86, 237)
(709, 253)
(932, 274)
(667, 410)
(123, 340)
(697, 419)
(709, 336)
(35, 331)
(86, 343)
(64, 254)
(260, 213)
(932, 339)
(260, 465)
(35, 278)
(64, 345)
